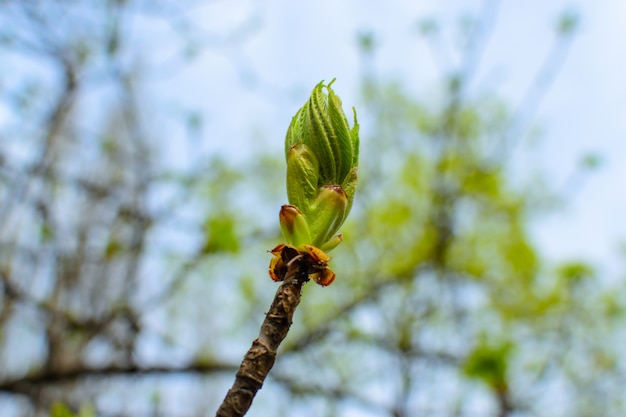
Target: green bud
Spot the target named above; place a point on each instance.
(294, 226)
(327, 213)
(349, 186)
(302, 176)
(322, 126)
(322, 154)
(332, 243)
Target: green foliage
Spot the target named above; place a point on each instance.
(489, 363)
(220, 234)
(113, 248)
(366, 42)
(61, 410)
(591, 161)
(575, 271)
(45, 232)
(568, 23)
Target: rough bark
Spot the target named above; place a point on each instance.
(260, 357)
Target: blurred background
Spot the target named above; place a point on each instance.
(142, 170)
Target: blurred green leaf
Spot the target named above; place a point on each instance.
(366, 41)
(61, 410)
(46, 233)
(568, 22)
(428, 26)
(220, 234)
(489, 363)
(591, 161)
(575, 271)
(113, 248)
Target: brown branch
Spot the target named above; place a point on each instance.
(260, 358)
(505, 405)
(30, 383)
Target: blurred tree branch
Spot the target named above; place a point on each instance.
(31, 384)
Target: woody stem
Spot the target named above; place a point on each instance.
(260, 357)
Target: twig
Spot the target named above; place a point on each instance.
(32, 384)
(260, 358)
